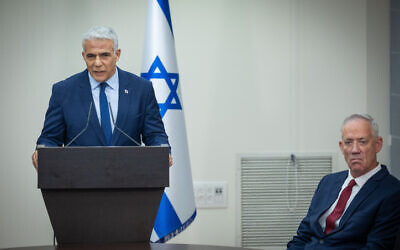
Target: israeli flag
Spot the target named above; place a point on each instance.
(177, 208)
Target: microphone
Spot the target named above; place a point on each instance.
(84, 129)
(120, 130)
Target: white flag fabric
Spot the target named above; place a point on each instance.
(177, 208)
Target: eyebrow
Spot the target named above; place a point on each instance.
(100, 54)
(356, 139)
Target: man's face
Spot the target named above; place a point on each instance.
(100, 58)
(359, 146)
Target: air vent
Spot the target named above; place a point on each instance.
(275, 193)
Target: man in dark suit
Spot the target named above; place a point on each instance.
(103, 105)
(358, 208)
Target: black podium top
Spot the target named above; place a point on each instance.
(103, 167)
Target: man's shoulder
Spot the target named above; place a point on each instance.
(335, 175)
(73, 80)
(388, 180)
(130, 78)
(332, 179)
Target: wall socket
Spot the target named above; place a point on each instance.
(210, 194)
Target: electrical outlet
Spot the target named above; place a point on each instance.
(210, 194)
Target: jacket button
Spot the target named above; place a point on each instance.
(321, 241)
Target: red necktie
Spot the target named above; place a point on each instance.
(341, 204)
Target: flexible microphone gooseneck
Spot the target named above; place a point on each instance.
(120, 130)
(84, 129)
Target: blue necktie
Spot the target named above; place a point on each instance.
(105, 114)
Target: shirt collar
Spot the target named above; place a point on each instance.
(112, 81)
(361, 180)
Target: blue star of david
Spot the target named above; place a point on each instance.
(168, 77)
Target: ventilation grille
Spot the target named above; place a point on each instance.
(275, 195)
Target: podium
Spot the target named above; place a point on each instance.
(101, 195)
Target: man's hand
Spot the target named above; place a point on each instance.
(35, 159)
(170, 160)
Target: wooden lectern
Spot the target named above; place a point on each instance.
(97, 195)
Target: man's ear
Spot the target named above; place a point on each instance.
(341, 146)
(118, 53)
(379, 144)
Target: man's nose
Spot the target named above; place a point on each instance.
(97, 61)
(356, 148)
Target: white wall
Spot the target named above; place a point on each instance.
(257, 76)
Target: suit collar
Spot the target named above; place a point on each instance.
(361, 180)
(334, 191)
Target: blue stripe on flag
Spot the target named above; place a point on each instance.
(178, 230)
(165, 8)
(167, 220)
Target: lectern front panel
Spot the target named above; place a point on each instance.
(102, 215)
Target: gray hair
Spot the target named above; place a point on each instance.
(101, 32)
(365, 117)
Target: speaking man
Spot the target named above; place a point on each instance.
(358, 208)
(103, 105)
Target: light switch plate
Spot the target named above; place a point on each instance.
(210, 194)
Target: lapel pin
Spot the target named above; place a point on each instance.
(126, 91)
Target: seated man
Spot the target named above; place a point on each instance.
(358, 208)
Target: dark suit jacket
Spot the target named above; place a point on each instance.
(370, 222)
(68, 111)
